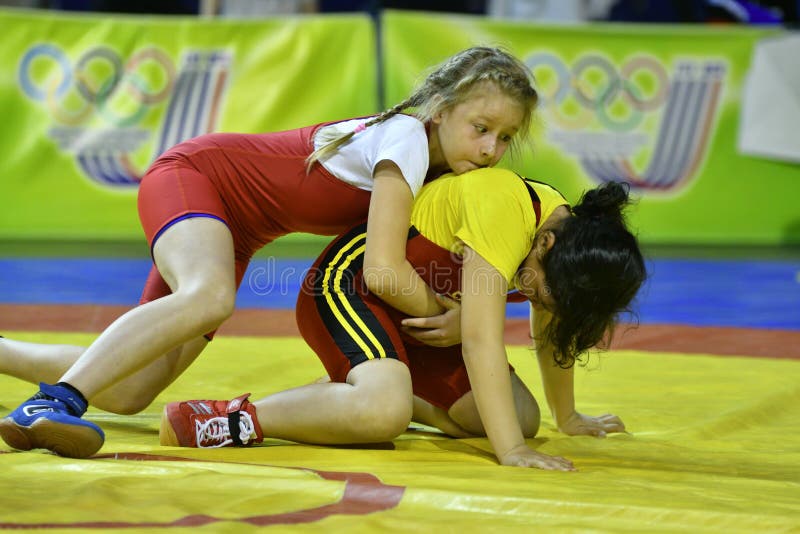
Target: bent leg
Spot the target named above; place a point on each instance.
(428, 414)
(36, 362)
(464, 412)
(137, 391)
(374, 405)
(445, 399)
(195, 257)
(42, 362)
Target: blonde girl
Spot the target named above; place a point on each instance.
(208, 204)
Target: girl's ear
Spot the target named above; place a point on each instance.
(437, 103)
(544, 242)
(549, 239)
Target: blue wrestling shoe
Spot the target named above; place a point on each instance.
(51, 420)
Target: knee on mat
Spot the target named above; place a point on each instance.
(529, 423)
(383, 422)
(464, 413)
(528, 413)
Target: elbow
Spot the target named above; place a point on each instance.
(380, 275)
(378, 286)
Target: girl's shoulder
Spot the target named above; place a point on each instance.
(403, 130)
(402, 121)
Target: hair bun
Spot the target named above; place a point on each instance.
(607, 200)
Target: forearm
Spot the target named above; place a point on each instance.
(558, 383)
(558, 386)
(401, 287)
(387, 272)
(483, 303)
(490, 379)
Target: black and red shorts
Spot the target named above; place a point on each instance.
(347, 325)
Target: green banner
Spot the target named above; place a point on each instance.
(90, 100)
(656, 106)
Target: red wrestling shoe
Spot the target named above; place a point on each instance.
(208, 424)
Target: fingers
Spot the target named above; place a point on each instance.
(594, 426)
(548, 463)
(564, 464)
(434, 338)
(558, 463)
(424, 322)
(523, 456)
(441, 330)
(611, 423)
(437, 321)
(606, 424)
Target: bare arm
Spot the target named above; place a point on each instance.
(483, 299)
(559, 388)
(558, 383)
(387, 272)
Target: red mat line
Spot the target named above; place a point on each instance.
(726, 341)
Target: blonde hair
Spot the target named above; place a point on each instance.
(452, 83)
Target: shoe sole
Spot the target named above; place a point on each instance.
(72, 441)
(166, 433)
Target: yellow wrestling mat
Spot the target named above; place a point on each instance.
(714, 447)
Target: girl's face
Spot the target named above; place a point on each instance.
(530, 279)
(476, 132)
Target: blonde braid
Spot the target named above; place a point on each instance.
(329, 148)
(451, 83)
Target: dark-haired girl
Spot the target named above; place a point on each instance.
(474, 237)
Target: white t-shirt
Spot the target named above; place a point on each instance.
(400, 139)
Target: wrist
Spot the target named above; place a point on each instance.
(512, 450)
(561, 418)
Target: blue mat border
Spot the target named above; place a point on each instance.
(713, 292)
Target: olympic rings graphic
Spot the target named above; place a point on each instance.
(149, 97)
(133, 118)
(82, 79)
(595, 83)
(645, 63)
(65, 116)
(54, 53)
(97, 92)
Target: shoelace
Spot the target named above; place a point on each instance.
(60, 405)
(214, 432)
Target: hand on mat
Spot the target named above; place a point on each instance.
(440, 330)
(579, 424)
(524, 456)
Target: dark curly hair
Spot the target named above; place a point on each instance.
(594, 270)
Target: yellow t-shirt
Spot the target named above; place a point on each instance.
(490, 210)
